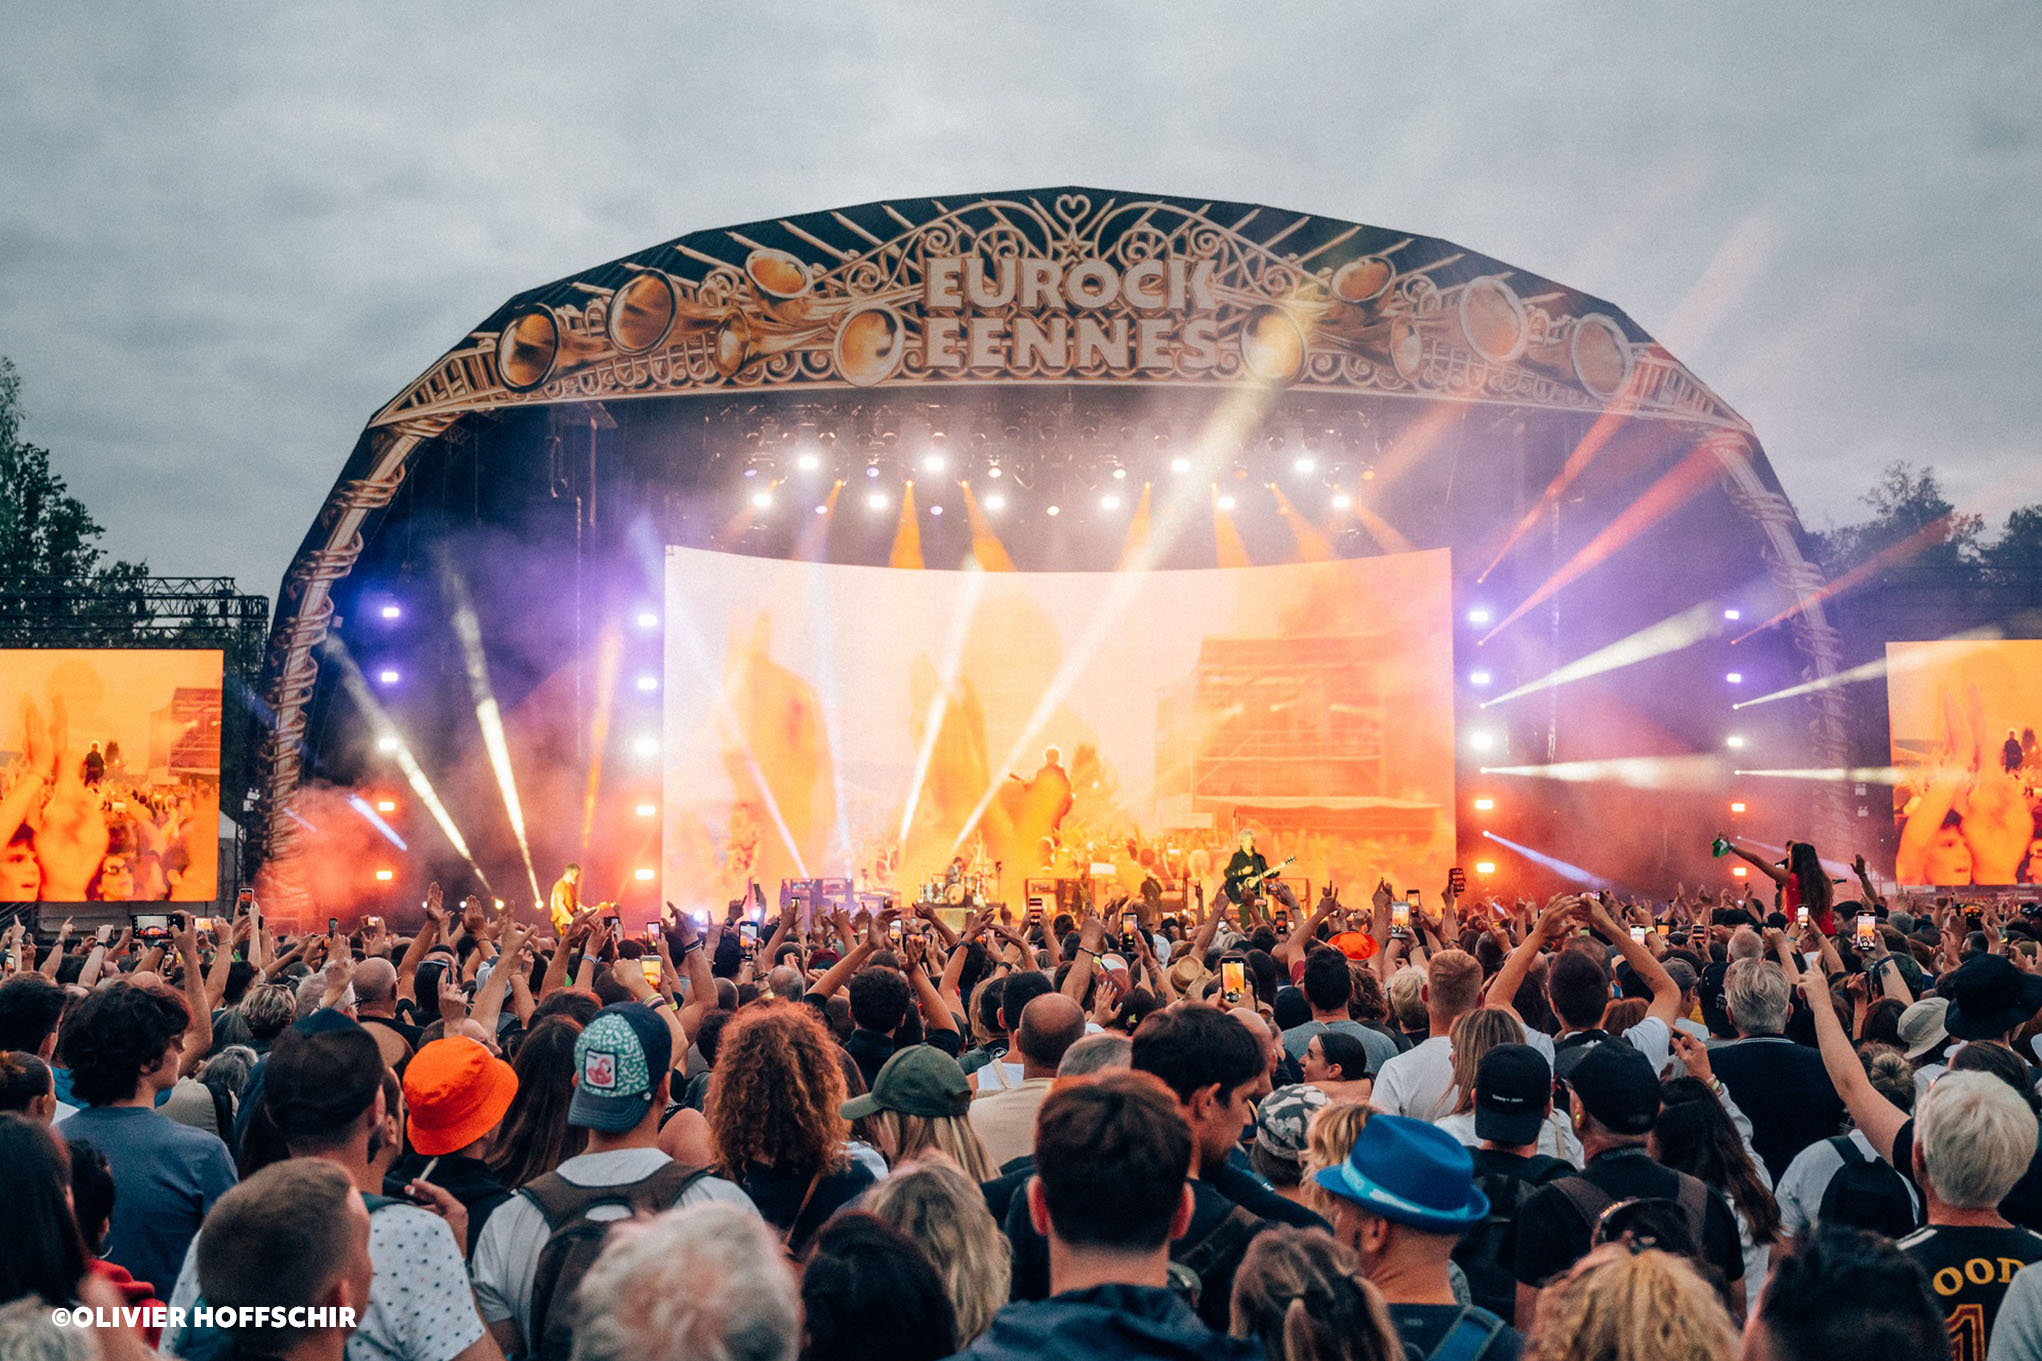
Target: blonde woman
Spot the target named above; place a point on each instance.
(944, 1211)
(1620, 1305)
(1473, 1036)
(1302, 1296)
(919, 1104)
(1329, 1138)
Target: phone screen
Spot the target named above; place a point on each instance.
(748, 932)
(1130, 922)
(333, 926)
(1457, 879)
(1411, 898)
(1233, 979)
(615, 923)
(1800, 916)
(1868, 930)
(652, 933)
(1638, 934)
(149, 925)
(651, 966)
(1400, 918)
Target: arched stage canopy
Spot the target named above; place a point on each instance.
(1065, 337)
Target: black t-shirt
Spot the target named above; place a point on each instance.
(2023, 1204)
(1421, 1327)
(1553, 1234)
(779, 1197)
(1969, 1269)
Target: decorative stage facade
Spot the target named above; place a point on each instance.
(1148, 409)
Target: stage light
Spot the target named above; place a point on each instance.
(994, 501)
(1739, 871)
(1733, 741)
(1109, 502)
(646, 810)
(1637, 772)
(875, 500)
(1737, 807)
(822, 510)
(385, 876)
(751, 472)
(1482, 740)
(1553, 863)
(872, 470)
(388, 676)
(386, 743)
(386, 805)
(1053, 510)
(643, 874)
(1479, 615)
(647, 619)
(1180, 464)
(993, 470)
(1306, 465)
(648, 683)
(762, 500)
(935, 510)
(391, 612)
(932, 463)
(1683, 630)
(1485, 804)
(1341, 501)
(1226, 503)
(1734, 678)
(1732, 614)
(645, 746)
(1478, 678)
(808, 463)
(1368, 474)
(1485, 867)
(1119, 473)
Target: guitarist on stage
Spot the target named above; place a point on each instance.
(1245, 871)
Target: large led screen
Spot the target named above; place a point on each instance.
(882, 725)
(1963, 716)
(109, 775)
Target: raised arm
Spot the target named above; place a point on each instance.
(199, 1038)
(55, 959)
(1665, 1004)
(936, 1015)
(1872, 1113)
(854, 958)
(1091, 935)
(1560, 910)
(421, 944)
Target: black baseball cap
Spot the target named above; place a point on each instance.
(1512, 1085)
(1617, 1086)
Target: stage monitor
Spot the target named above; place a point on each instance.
(109, 775)
(916, 728)
(1963, 715)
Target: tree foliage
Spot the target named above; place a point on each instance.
(50, 558)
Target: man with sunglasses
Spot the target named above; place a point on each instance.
(1621, 1193)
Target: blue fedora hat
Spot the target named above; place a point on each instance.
(1411, 1173)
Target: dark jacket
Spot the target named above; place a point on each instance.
(467, 1180)
(1107, 1323)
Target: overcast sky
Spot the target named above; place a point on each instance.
(229, 232)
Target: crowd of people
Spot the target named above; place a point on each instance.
(1681, 1130)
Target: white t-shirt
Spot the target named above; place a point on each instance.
(998, 1076)
(1418, 1082)
(420, 1308)
(506, 1261)
(1649, 1037)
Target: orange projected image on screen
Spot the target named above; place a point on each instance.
(963, 733)
(109, 776)
(1968, 784)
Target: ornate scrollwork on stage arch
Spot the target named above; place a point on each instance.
(852, 299)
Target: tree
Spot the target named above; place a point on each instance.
(1929, 540)
(50, 559)
(2013, 561)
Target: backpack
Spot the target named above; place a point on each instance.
(1468, 1337)
(1572, 1049)
(574, 1241)
(1865, 1193)
(1692, 1200)
(1487, 1253)
(1191, 1263)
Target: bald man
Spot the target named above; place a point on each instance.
(1050, 1025)
(375, 985)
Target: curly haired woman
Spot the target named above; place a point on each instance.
(773, 1111)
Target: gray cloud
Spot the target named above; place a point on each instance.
(229, 232)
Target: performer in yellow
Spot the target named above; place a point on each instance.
(566, 899)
